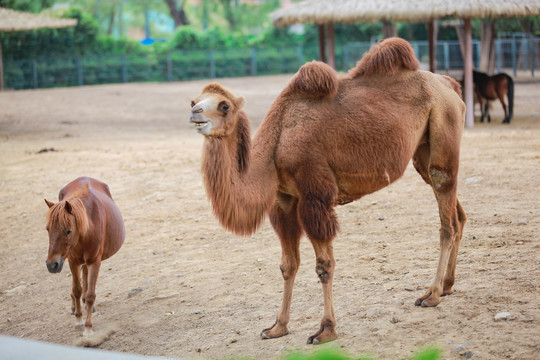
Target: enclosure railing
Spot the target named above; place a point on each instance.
(522, 54)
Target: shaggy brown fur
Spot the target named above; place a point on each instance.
(86, 227)
(329, 141)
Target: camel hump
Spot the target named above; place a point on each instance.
(315, 79)
(452, 83)
(386, 58)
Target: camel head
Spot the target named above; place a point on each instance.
(215, 111)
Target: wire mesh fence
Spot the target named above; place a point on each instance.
(516, 54)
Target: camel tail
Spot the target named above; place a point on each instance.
(510, 95)
(315, 79)
(386, 58)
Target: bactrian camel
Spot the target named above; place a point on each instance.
(328, 140)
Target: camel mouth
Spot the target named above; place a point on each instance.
(201, 124)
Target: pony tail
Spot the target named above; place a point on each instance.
(315, 79)
(386, 58)
(510, 95)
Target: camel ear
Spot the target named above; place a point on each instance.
(49, 204)
(240, 102)
(68, 207)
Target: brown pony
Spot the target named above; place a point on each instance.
(86, 227)
(494, 87)
(329, 140)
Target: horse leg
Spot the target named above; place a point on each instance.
(90, 295)
(482, 109)
(284, 219)
(486, 111)
(85, 284)
(500, 95)
(76, 292)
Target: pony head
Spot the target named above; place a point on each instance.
(66, 223)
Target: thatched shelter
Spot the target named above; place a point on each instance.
(325, 13)
(11, 20)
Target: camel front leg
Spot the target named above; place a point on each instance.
(90, 295)
(324, 253)
(76, 292)
(286, 225)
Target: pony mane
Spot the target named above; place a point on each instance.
(58, 214)
(386, 58)
(315, 79)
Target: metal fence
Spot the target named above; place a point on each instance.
(516, 54)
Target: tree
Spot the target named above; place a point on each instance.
(177, 12)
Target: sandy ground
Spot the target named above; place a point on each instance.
(183, 287)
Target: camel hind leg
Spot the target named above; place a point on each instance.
(284, 219)
(439, 169)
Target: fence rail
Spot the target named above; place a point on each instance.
(516, 54)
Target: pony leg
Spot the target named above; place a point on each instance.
(501, 95)
(286, 225)
(76, 292)
(90, 295)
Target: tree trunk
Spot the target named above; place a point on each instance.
(389, 29)
(177, 13)
(487, 45)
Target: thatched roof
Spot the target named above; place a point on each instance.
(11, 20)
(348, 11)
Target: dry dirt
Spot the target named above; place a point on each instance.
(183, 287)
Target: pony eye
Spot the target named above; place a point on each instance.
(68, 232)
(192, 103)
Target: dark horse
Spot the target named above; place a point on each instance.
(86, 227)
(494, 87)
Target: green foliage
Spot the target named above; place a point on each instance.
(32, 6)
(333, 353)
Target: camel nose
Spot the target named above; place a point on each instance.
(196, 109)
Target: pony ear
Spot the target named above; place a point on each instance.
(49, 204)
(68, 207)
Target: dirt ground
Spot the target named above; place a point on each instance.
(181, 286)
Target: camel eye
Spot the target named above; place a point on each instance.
(223, 106)
(68, 232)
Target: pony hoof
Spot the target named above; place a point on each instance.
(88, 332)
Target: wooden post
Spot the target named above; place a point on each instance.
(1, 66)
(432, 43)
(331, 45)
(468, 73)
(322, 45)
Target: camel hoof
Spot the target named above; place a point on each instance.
(274, 332)
(322, 336)
(430, 303)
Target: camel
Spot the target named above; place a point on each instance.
(328, 140)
